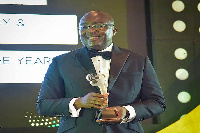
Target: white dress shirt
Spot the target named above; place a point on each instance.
(102, 66)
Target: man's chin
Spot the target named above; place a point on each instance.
(95, 46)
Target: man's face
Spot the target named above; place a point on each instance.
(96, 30)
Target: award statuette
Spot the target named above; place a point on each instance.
(99, 80)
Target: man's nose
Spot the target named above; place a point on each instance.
(92, 30)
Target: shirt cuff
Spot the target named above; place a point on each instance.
(132, 114)
(72, 110)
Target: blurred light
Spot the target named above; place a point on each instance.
(179, 26)
(178, 6)
(198, 6)
(183, 116)
(199, 29)
(184, 97)
(35, 120)
(180, 53)
(182, 74)
(57, 125)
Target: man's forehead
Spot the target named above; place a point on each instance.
(86, 23)
(96, 17)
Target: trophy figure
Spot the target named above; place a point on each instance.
(99, 80)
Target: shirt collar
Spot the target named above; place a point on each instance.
(109, 48)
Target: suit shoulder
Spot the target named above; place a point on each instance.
(134, 54)
(68, 54)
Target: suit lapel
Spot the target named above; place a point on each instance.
(118, 60)
(81, 56)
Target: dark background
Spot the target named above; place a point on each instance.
(144, 26)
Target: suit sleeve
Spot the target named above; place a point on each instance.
(152, 100)
(51, 99)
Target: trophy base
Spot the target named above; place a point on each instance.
(109, 114)
(105, 115)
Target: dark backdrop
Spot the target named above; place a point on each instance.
(144, 26)
(18, 100)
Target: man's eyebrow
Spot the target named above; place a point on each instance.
(98, 23)
(92, 23)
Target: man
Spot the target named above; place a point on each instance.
(133, 89)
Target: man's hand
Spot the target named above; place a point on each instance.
(91, 100)
(120, 115)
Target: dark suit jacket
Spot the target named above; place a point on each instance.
(132, 81)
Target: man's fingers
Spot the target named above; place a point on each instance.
(94, 106)
(94, 100)
(97, 95)
(97, 102)
(98, 107)
(100, 100)
(111, 121)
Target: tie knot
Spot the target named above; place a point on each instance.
(93, 53)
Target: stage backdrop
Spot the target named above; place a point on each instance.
(34, 32)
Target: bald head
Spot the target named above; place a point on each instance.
(97, 30)
(97, 16)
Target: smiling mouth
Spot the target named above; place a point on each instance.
(93, 37)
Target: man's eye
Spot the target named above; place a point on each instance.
(84, 27)
(99, 26)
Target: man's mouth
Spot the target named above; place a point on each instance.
(93, 37)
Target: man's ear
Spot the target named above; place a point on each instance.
(115, 31)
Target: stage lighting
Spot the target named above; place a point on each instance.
(41, 121)
(182, 74)
(198, 6)
(184, 97)
(178, 6)
(180, 53)
(183, 116)
(179, 26)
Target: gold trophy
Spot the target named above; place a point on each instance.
(99, 80)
